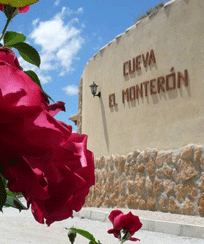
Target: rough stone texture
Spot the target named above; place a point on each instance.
(129, 157)
(187, 152)
(139, 182)
(167, 171)
(150, 167)
(107, 202)
(140, 158)
(104, 173)
(110, 175)
(135, 153)
(179, 192)
(96, 161)
(197, 154)
(159, 159)
(142, 203)
(113, 199)
(107, 163)
(98, 189)
(121, 202)
(175, 158)
(107, 187)
(175, 175)
(154, 153)
(151, 203)
(132, 201)
(121, 164)
(168, 181)
(127, 169)
(157, 186)
(122, 187)
(146, 153)
(188, 170)
(191, 190)
(141, 168)
(101, 162)
(134, 168)
(201, 184)
(148, 184)
(200, 203)
(168, 157)
(173, 207)
(116, 185)
(188, 207)
(163, 204)
(202, 163)
(130, 184)
(160, 173)
(168, 186)
(112, 160)
(98, 201)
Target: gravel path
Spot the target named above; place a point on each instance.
(21, 228)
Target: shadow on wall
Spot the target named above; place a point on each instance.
(105, 130)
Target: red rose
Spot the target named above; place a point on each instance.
(40, 156)
(127, 222)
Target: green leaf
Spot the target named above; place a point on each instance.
(2, 193)
(11, 38)
(1, 45)
(84, 233)
(47, 95)
(35, 78)
(3, 180)
(28, 53)
(14, 202)
(10, 193)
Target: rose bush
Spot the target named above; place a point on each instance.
(40, 156)
(126, 222)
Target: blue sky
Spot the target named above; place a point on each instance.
(67, 34)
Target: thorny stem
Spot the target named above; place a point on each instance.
(7, 23)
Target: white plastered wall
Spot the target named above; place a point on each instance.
(165, 120)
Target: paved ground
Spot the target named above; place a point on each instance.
(21, 228)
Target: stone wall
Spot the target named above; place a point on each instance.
(168, 181)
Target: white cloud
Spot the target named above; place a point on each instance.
(57, 2)
(60, 41)
(83, 25)
(80, 11)
(71, 90)
(34, 23)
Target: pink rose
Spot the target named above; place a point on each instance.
(40, 156)
(128, 222)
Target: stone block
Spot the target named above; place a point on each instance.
(168, 186)
(157, 187)
(187, 152)
(187, 170)
(150, 167)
